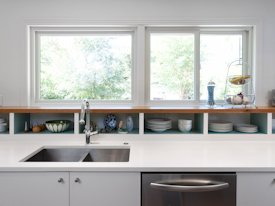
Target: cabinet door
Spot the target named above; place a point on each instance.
(104, 189)
(255, 189)
(34, 189)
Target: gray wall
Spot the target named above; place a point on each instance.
(16, 14)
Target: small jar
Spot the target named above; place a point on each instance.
(210, 88)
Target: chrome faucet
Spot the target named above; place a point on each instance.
(85, 112)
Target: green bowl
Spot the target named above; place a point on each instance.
(57, 126)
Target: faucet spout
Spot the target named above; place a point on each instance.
(88, 136)
(85, 113)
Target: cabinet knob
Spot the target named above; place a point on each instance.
(77, 180)
(60, 180)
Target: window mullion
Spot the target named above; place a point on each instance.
(247, 58)
(140, 69)
(197, 67)
(147, 64)
(37, 75)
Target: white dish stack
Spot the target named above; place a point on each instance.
(220, 126)
(246, 128)
(3, 125)
(159, 125)
(185, 125)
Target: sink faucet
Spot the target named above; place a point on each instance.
(85, 112)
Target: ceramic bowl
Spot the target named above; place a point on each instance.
(110, 122)
(57, 125)
(238, 100)
(185, 121)
(185, 127)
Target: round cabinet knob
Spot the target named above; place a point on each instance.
(60, 180)
(77, 180)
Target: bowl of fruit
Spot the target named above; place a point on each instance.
(239, 79)
(240, 99)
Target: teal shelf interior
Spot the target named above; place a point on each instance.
(197, 123)
(30, 119)
(99, 119)
(5, 116)
(259, 119)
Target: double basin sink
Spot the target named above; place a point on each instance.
(79, 154)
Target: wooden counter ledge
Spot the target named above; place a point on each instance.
(137, 109)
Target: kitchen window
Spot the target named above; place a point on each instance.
(181, 62)
(134, 65)
(83, 63)
(172, 66)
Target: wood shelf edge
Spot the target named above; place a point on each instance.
(136, 109)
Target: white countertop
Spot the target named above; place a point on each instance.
(147, 154)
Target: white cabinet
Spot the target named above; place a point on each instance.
(34, 188)
(69, 189)
(255, 189)
(104, 189)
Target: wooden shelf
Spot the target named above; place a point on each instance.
(200, 116)
(138, 109)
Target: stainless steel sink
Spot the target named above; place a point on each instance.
(107, 155)
(79, 154)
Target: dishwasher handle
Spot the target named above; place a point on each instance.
(189, 185)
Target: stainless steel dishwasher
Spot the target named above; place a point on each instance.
(188, 189)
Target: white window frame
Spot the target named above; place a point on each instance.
(34, 36)
(140, 57)
(247, 46)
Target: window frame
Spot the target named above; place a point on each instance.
(140, 82)
(35, 33)
(172, 30)
(247, 47)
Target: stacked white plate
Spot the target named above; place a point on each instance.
(159, 125)
(220, 126)
(247, 128)
(3, 125)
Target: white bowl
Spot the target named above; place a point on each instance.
(185, 128)
(185, 121)
(185, 125)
